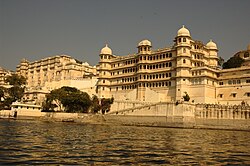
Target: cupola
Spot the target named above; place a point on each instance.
(144, 47)
(144, 43)
(106, 50)
(183, 32)
(211, 45)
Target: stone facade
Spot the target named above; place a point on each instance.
(55, 72)
(166, 74)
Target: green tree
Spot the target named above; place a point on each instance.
(15, 80)
(95, 105)
(106, 104)
(2, 92)
(233, 62)
(14, 93)
(221, 61)
(67, 99)
(186, 97)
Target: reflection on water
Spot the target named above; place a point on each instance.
(36, 142)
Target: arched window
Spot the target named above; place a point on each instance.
(184, 60)
(184, 39)
(170, 64)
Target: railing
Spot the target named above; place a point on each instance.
(217, 111)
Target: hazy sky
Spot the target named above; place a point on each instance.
(35, 29)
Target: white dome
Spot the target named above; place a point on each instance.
(106, 50)
(145, 43)
(248, 47)
(211, 45)
(183, 32)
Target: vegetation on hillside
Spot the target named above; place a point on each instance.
(233, 62)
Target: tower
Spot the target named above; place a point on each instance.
(183, 62)
(104, 73)
(213, 51)
(144, 50)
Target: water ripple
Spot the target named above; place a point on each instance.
(46, 143)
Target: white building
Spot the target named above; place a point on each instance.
(166, 74)
(55, 72)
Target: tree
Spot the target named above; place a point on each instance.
(15, 80)
(186, 97)
(233, 62)
(2, 92)
(67, 99)
(106, 104)
(221, 61)
(95, 105)
(14, 93)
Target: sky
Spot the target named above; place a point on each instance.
(36, 29)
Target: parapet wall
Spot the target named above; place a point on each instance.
(216, 111)
(182, 115)
(185, 109)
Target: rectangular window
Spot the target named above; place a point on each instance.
(234, 94)
(220, 83)
(238, 81)
(247, 81)
(248, 94)
(220, 95)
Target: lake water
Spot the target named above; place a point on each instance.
(37, 142)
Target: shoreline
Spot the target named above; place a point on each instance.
(139, 121)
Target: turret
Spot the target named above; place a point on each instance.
(183, 61)
(104, 72)
(144, 47)
(213, 53)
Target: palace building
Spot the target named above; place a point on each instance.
(167, 74)
(55, 72)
